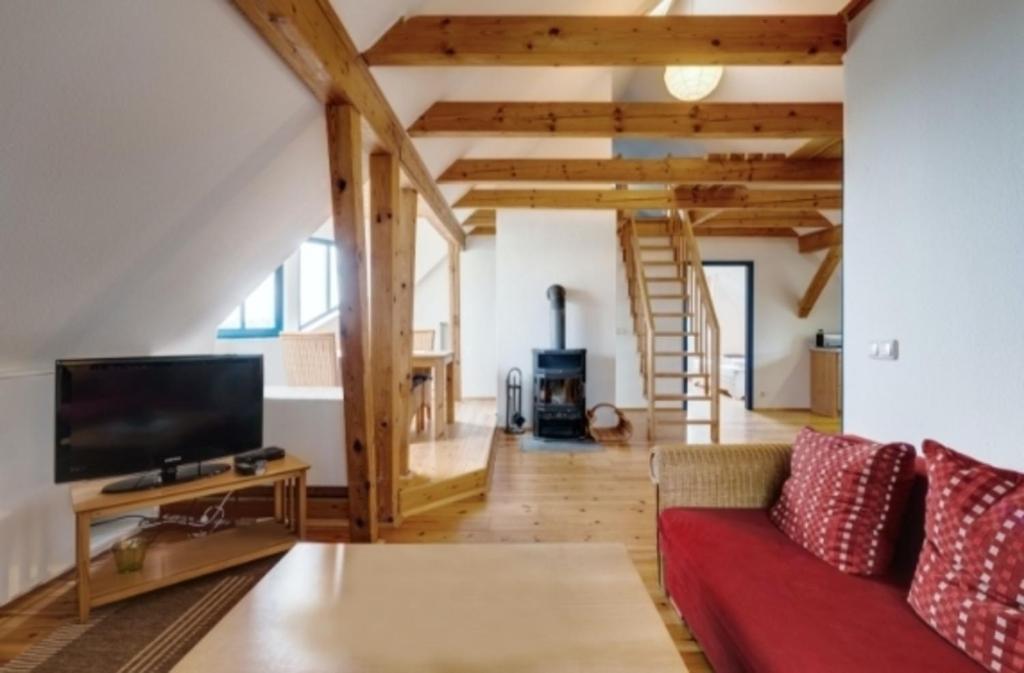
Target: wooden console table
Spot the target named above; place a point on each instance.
(178, 560)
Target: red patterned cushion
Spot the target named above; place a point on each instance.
(969, 584)
(844, 499)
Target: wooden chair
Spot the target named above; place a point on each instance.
(423, 340)
(311, 359)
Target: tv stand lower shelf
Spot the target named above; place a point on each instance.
(178, 560)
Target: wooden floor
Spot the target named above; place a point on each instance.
(533, 497)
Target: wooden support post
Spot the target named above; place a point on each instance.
(404, 292)
(820, 280)
(384, 338)
(345, 147)
(455, 311)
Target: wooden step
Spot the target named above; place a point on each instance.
(656, 246)
(670, 314)
(678, 354)
(659, 262)
(665, 397)
(681, 375)
(675, 334)
(666, 296)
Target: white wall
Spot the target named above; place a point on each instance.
(781, 338)
(629, 389)
(479, 314)
(934, 239)
(36, 524)
(728, 286)
(309, 423)
(575, 249)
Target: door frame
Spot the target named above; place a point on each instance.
(748, 266)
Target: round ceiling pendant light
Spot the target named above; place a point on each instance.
(692, 82)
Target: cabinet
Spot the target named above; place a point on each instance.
(826, 381)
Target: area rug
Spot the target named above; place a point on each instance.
(536, 445)
(145, 634)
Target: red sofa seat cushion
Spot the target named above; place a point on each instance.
(759, 603)
(969, 584)
(844, 499)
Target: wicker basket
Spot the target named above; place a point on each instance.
(620, 432)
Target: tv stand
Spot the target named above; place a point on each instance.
(175, 474)
(175, 558)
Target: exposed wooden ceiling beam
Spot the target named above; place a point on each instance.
(643, 199)
(311, 39)
(772, 219)
(820, 148)
(669, 170)
(612, 40)
(632, 120)
(484, 217)
(820, 280)
(853, 9)
(741, 232)
(821, 240)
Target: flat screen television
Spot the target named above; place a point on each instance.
(160, 416)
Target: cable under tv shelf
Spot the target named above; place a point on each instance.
(179, 560)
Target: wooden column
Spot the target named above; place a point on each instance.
(405, 287)
(344, 139)
(455, 310)
(384, 341)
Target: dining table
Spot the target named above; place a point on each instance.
(440, 366)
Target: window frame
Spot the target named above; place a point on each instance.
(329, 244)
(244, 332)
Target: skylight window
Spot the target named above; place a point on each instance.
(318, 281)
(261, 314)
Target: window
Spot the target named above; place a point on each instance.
(261, 314)
(318, 281)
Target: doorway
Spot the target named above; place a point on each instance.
(731, 284)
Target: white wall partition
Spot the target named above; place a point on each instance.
(934, 240)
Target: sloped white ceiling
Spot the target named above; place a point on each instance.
(157, 161)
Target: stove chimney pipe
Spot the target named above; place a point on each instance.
(556, 295)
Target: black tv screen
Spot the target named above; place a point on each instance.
(121, 416)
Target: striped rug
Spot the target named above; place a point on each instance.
(146, 634)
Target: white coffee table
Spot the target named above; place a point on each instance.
(408, 608)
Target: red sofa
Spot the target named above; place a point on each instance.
(759, 603)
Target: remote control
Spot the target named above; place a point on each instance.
(266, 453)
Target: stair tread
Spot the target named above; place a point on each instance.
(666, 296)
(689, 354)
(681, 375)
(674, 333)
(671, 315)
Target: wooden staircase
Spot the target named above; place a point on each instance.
(675, 324)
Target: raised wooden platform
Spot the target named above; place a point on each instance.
(454, 467)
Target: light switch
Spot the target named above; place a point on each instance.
(884, 350)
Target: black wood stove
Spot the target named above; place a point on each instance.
(559, 380)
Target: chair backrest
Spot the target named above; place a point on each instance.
(310, 358)
(423, 340)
